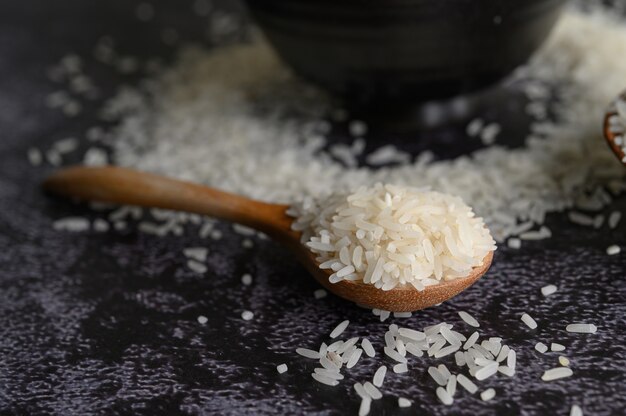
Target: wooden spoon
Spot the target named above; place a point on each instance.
(611, 136)
(130, 187)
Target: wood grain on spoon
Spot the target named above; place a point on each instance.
(610, 138)
(130, 187)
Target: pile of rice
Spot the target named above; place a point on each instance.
(238, 120)
(389, 235)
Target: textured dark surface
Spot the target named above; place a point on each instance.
(106, 323)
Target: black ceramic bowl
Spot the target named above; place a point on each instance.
(404, 50)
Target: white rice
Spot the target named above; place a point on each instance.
(323, 349)
(492, 346)
(246, 279)
(450, 336)
(354, 358)
(576, 411)
(335, 345)
(548, 290)
(332, 361)
(459, 359)
(196, 253)
(598, 221)
(467, 383)
(556, 373)
(451, 386)
(444, 371)
(483, 362)
(100, 225)
(307, 353)
(400, 368)
(394, 355)
(459, 336)
(469, 319)
(542, 234)
(488, 395)
(489, 133)
(202, 319)
(66, 145)
(486, 372)
(438, 345)
(282, 368)
(414, 350)
(368, 348)
(390, 341)
(437, 376)
(53, 157)
(474, 127)
(582, 328)
(557, 347)
(243, 230)
(329, 373)
(514, 243)
(358, 387)
(412, 334)
(400, 347)
(247, 315)
(328, 362)
(196, 266)
(357, 128)
(403, 402)
(435, 329)
(482, 351)
(390, 235)
(34, 156)
(379, 376)
(346, 345)
(324, 379)
(320, 294)
(471, 340)
(346, 356)
(529, 321)
(447, 350)
(386, 155)
(503, 354)
(541, 347)
(72, 224)
(121, 225)
(384, 315)
(580, 219)
(95, 157)
(443, 395)
(511, 360)
(613, 250)
(372, 391)
(339, 329)
(364, 407)
(564, 361)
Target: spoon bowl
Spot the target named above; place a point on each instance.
(130, 187)
(610, 135)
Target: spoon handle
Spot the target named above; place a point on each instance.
(130, 187)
